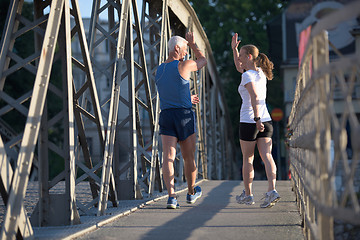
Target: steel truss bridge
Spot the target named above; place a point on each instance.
(124, 121)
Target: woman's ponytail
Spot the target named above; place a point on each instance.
(261, 60)
(266, 65)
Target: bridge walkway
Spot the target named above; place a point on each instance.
(216, 215)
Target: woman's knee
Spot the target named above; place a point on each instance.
(267, 160)
(249, 158)
(248, 164)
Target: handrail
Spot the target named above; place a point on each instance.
(321, 128)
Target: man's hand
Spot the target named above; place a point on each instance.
(195, 99)
(191, 65)
(234, 42)
(190, 38)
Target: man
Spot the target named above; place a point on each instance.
(177, 119)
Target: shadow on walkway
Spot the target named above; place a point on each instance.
(196, 215)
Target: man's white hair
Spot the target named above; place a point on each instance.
(176, 40)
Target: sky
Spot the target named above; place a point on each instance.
(86, 6)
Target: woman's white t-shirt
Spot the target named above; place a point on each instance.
(246, 111)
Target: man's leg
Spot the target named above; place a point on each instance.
(187, 148)
(169, 153)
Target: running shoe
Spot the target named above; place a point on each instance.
(197, 194)
(243, 199)
(270, 199)
(172, 203)
(240, 198)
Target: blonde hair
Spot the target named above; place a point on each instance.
(176, 40)
(261, 60)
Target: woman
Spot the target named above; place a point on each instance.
(255, 121)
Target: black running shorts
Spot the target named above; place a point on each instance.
(249, 132)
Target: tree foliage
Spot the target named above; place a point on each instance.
(17, 83)
(21, 81)
(220, 20)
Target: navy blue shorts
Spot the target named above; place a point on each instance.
(177, 122)
(249, 132)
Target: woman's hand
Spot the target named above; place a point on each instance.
(260, 126)
(195, 99)
(234, 42)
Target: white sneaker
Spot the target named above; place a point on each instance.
(243, 199)
(270, 199)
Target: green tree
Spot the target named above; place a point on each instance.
(21, 82)
(17, 83)
(248, 18)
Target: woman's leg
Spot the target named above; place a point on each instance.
(247, 149)
(169, 153)
(264, 146)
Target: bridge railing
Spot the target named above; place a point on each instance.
(323, 132)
